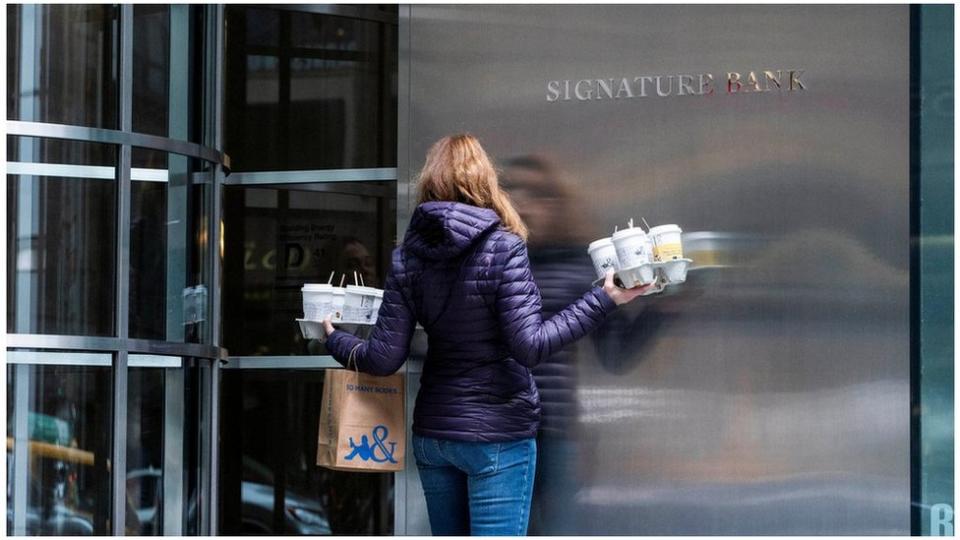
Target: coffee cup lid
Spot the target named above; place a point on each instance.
(665, 229)
(597, 244)
(632, 231)
(316, 287)
(360, 289)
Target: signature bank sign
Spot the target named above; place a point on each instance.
(687, 84)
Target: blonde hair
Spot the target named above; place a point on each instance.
(458, 169)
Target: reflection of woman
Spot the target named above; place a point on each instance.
(561, 267)
(464, 274)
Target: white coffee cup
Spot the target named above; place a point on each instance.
(361, 304)
(633, 247)
(667, 243)
(604, 256)
(317, 300)
(339, 297)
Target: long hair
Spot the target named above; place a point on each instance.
(458, 169)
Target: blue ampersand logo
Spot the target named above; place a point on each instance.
(369, 453)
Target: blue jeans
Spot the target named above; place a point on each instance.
(476, 488)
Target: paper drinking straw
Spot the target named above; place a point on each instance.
(361, 281)
(645, 223)
(330, 279)
(343, 277)
(354, 277)
(630, 223)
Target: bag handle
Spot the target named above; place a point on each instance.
(352, 358)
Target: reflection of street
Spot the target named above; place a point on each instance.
(56, 505)
(269, 481)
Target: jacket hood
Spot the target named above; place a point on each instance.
(445, 229)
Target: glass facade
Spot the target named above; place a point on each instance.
(933, 399)
(176, 173)
(61, 64)
(170, 274)
(310, 90)
(113, 343)
(67, 466)
(61, 226)
(277, 239)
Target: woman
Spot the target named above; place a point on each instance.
(463, 273)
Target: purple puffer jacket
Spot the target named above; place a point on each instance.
(467, 280)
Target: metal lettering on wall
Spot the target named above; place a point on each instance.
(769, 394)
(696, 84)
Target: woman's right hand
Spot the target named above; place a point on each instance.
(619, 295)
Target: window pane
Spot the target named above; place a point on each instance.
(11, 444)
(68, 476)
(309, 91)
(61, 64)
(169, 269)
(151, 68)
(166, 71)
(61, 220)
(145, 446)
(270, 421)
(278, 239)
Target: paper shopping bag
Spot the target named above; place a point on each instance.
(361, 422)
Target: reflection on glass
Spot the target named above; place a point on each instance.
(61, 64)
(151, 68)
(11, 445)
(277, 240)
(145, 445)
(68, 476)
(169, 274)
(60, 151)
(164, 69)
(309, 91)
(61, 237)
(269, 483)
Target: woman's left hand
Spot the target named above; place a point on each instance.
(328, 325)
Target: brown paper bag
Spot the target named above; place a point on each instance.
(362, 424)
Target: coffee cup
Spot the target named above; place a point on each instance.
(604, 256)
(317, 300)
(667, 243)
(337, 304)
(361, 304)
(633, 247)
(635, 256)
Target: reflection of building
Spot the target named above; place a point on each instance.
(177, 172)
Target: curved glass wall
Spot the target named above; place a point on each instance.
(113, 184)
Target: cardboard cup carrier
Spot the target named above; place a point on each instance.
(640, 257)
